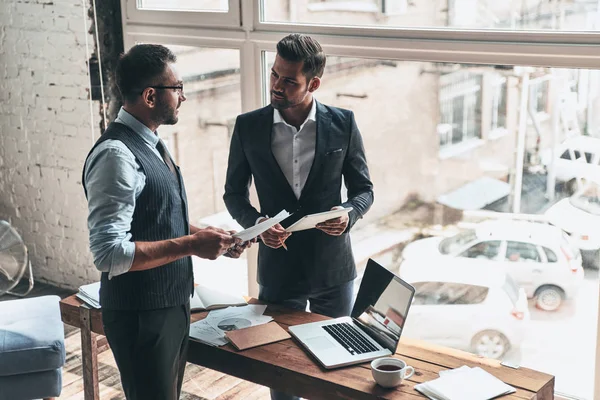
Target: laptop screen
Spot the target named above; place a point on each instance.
(382, 305)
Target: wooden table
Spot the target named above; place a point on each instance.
(287, 367)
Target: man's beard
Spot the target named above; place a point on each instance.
(171, 119)
(285, 102)
(280, 104)
(167, 115)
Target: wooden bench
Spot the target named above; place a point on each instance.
(287, 367)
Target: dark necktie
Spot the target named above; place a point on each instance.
(160, 146)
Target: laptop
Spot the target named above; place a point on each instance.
(373, 330)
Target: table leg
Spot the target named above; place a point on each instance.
(89, 356)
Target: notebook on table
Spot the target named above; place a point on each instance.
(205, 298)
(258, 335)
(464, 383)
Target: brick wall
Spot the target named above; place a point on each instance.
(45, 134)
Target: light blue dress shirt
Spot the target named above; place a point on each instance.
(114, 180)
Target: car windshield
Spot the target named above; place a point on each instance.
(588, 199)
(457, 242)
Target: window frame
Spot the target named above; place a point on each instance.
(132, 15)
(546, 251)
(241, 28)
(496, 258)
(499, 94)
(468, 87)
(520, 260)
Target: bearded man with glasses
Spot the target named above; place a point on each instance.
(140, 235)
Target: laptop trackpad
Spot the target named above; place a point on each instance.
(319, 343)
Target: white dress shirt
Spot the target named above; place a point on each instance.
(294, 149)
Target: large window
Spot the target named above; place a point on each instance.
(499, 90)
(465, 107)
(200, 140)
(473, 14)
(184, 5)
(460, 107)
(539, 94)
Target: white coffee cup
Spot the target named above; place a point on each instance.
(389, 372)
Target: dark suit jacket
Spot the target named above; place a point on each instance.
(314, 259)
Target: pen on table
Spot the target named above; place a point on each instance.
(283, 244)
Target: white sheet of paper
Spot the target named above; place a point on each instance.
(254, 231)
(310, 221)
(90, 294)
(204, 332)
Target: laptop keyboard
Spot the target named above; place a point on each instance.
(350, 338)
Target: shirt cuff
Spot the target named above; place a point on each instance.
(259, 218)
(122, 260)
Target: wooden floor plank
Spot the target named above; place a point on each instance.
(246, 390)
(199, 383)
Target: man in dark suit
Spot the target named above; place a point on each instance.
(298, 150)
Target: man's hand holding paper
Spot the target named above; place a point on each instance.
(211, 242)
(237, 250)
(335, 226)
(275, 236)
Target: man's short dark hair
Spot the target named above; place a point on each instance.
(140, 67)
(297, 47)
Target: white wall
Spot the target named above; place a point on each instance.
(45, 134)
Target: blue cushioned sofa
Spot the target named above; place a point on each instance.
(32, 348)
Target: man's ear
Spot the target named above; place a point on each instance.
(315, 83)
(149, 97)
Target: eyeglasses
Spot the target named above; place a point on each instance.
(178, 89)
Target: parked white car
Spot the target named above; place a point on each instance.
(540, 257)
(576, 157)
(486, 314)
(579, 216)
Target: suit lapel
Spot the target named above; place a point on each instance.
(323, 124)
(266, 120)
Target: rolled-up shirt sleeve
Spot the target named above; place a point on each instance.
(113, 182)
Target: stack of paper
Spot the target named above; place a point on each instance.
(464, 383)
(90, 294)
(211, 330)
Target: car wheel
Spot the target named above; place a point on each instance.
(490, 344)
(549, 298)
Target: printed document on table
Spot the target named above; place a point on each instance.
(203, 332)
(211, 330)
(254, 231)
(234, 318)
